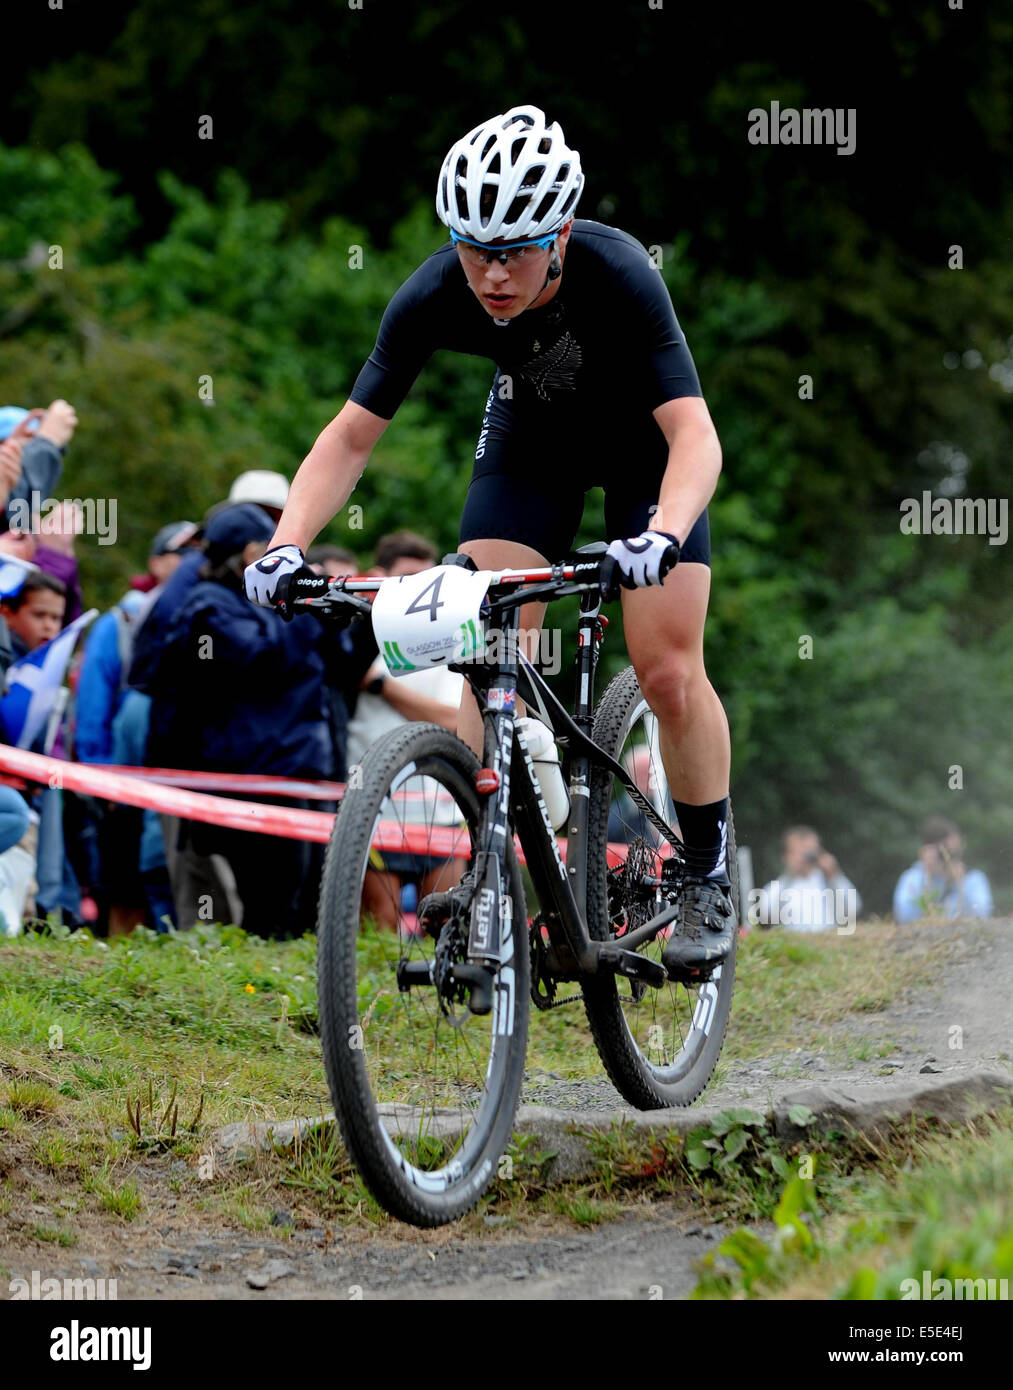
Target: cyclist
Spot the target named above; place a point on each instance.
(594, 386)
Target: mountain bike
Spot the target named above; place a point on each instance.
(424, 1007)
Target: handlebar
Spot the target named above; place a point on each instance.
(345, 599)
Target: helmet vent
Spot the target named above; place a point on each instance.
(460, 192)
(518, 206)
(545, 206)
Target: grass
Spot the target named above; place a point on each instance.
(939, 1206)
(53, 1235)
(120, 1058)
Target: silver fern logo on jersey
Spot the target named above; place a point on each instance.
(555, 369)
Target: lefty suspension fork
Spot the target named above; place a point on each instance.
(489, 942)
(590, 631)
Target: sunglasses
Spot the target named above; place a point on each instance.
(480, 253)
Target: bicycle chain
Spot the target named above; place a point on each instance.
(544, 1002)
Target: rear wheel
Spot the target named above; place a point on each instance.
(425, 1092)
(659, 1046)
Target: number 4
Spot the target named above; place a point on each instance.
(417, 606)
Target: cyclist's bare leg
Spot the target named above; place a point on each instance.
(381, 897)
(441, 880)
(501, 555)
(664, 636)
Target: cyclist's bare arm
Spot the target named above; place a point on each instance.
(328, 474)
(694, 464)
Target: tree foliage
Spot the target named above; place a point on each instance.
(263, 260)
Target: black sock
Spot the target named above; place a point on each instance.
(704, 835)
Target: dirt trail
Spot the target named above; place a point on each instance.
(963, 1022)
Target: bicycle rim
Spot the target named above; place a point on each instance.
(424, 1090)
(660, 1046)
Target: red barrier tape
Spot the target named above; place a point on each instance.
(91, 779)
(230, 782)
(132, 791)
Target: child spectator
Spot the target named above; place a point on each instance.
(34, 616)
(15, 819)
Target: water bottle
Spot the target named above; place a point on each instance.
(548, 774)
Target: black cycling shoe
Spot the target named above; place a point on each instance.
(706, 930)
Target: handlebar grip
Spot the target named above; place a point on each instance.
(669, 560)
(302, 583)
(609, 579)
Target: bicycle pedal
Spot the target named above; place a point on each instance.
(682, 975)
(634, 967)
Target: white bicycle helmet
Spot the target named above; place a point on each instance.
(511, 178)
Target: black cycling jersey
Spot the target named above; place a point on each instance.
(572, 396)
(607, 342)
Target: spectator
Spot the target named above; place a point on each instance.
(52, 552)
(386, 702)
(812, 894)
(17, 862)
(165, 555)
(34, 616)
(332, 560)
(264, 488)
(356, 648)
(127, 874)
(243, 691)
(195, 878)
(102, 685)
(939, 881)
(16, 865)
(40, 458)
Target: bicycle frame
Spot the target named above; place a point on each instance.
(561, 888)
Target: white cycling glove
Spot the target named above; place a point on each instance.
(639, 561)
(261, 579)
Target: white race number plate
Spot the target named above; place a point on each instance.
(430, 618)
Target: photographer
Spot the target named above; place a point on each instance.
(939, 880)
(811, 894)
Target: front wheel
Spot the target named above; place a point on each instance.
(425, 1091)
(659, 1046)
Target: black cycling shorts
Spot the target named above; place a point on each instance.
(526, 493)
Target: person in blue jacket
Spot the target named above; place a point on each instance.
(237, 689)
(939, 882)
(124, 861)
